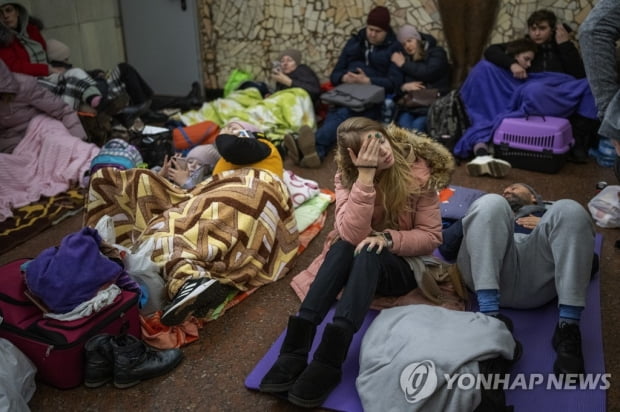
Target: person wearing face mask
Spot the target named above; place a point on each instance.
(291, 72)
(515, 251)
(387, 217)
(243, 145)
(365, 59)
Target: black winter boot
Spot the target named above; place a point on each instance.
(325, 371)
(293, 357)
(567, 344)
(99, 361)
(135, 362)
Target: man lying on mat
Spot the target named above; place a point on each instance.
(515, 252)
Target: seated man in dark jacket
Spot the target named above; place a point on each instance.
(365, 59)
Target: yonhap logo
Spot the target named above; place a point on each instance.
(418, 380)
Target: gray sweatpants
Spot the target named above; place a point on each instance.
(529, 270)
(597, 37)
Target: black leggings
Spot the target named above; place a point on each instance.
(136, 87)
(361, 276)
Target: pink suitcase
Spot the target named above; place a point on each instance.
(57, 347)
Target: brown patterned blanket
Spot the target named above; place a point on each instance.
(237, 227)
(30, 220)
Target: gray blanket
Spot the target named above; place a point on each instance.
(411, 354)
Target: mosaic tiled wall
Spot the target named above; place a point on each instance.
(250, 34)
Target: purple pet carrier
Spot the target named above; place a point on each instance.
(534, 143)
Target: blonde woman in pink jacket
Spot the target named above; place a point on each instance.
(387, 213)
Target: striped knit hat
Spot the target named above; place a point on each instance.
(116, 153)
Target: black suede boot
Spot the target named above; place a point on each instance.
(99, 361)
(494, 399)
(325, 371)
(135, 362)
(293, 357)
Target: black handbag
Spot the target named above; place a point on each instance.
(153, 147)
(418, 98)
(357, 97)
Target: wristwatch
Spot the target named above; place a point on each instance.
(388, 239)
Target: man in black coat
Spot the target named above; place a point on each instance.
(365, 59)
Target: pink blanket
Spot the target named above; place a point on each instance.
(46, 162)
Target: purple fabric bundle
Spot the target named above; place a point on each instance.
(65, 276)
(490, 94)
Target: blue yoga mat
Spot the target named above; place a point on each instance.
(534, 328)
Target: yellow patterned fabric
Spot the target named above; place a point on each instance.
(237, 227)
(30, 220)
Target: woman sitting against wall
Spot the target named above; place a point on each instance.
(291, 72)
(426, 66)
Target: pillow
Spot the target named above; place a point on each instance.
(455, 200)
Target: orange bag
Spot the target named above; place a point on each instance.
(194, 135)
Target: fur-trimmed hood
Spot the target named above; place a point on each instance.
(437, 156)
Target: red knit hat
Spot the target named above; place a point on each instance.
(379, 17)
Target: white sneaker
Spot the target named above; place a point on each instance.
(488, 165)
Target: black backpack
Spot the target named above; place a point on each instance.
(448, 119)
(153, 147)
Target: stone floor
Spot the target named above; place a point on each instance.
(211, 378)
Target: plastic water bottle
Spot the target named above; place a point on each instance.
(388, 109)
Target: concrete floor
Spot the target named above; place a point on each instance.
(211, 378)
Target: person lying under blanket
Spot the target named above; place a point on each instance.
(232, 232)
(42, 152)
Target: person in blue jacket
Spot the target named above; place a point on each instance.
(365, 59)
